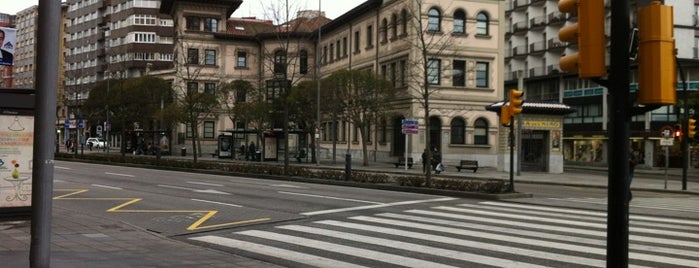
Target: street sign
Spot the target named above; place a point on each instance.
(409, 126)
(666, 132)
(667, 142)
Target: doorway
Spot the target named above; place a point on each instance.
(535, 153)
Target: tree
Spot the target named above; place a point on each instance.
(361, 98)
(303, 100)
(429, 43)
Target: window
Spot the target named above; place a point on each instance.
(458, 131)
(279, 62)
(303, 62)
(188, 130)
(356, 41)
(384, 30)
(482, 24)
(242, 60)
(325, 54)
(193, 23)
(192, 87)
(192, 56)
(209, 129)
(275, 88)
(402, 72)
(369, 37)
(481, 74)
(144, 38)
(211, 25)
(459, 22)
(337, 50)
(458, 74)
(394, 26)
(332, 55)
(434, 20)
(241, 95)
(383, 134)
(480, 132)
(210, 88)
(404, 21)
(433, 71)
(209, 57)
(144, 19)
(344, 47)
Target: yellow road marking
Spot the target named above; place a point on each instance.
(195, 226)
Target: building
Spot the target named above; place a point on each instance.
(24, 70)
(114, 39)
(465, 67)
(533, 51)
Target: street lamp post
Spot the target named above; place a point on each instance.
(107, 125)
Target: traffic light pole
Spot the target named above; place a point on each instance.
(620, 105)
(512, 155)
(685, 128)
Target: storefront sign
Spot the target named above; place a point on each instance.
(542, 124)
(16, 145)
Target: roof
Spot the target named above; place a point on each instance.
(167, 6)
(536, 107)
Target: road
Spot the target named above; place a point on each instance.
(306, 225)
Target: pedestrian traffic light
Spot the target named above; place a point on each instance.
(657, 73)
(516, 102)
(505, 116)
(691, 128)
(678, 132)
(588, 32)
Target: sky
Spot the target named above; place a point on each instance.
(249, 8)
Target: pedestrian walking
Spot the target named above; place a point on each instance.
(436, 160)
(251, 151)
(424, 161)
(633, 161)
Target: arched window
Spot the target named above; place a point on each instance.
(394, 26)
(303, 62)
(434, 20)
(458, 131)
(482, 24)
(384, 30)
(279, 62)
(459, 22)
(480, 132)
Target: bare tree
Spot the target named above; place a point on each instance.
(430, 43)
(195, 103)
(361, 98)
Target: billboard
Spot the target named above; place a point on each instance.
(16, 151)
(8, 41)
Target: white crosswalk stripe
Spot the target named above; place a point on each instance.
(499, 234)
(671, 204)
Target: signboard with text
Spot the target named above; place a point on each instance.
(409, 126)
(16, 150)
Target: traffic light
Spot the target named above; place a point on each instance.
(657, 73)
(516, 102)
(678, 132)
(505, 116)
(691, 128)
(588, 32)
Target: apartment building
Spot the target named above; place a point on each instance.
(533, 51)
(114, 39)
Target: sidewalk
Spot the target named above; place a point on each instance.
(81, 240)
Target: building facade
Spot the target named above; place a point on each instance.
(114, 39)
(533, 51)
(463, 59)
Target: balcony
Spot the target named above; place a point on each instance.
(537, 47)
(553, 69)
(537, 71)
(555, 44)
(556, 18)
(537, 22)
(537, 2)
(519, 51)
(519, 27)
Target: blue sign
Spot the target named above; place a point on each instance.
(81, 124)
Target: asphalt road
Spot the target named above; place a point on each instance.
(295, 224)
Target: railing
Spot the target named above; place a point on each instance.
(519, 50)
(518, 26)
(536, 46)
(555, 43)
(536, 71)
(555, 17)
(537, 21)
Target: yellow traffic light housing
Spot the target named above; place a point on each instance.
(691, 128)
(657, 71)
(505, 116)
(516, 102)
(588, 32)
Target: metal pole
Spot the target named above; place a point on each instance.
(618, 173)
(45, 103)
(512, 155)
(685, 127)
(667, 158)
(405, 154)
(318, 76)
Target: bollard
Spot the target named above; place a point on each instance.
(348, 166)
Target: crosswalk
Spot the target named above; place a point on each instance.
(486, 234)
(671, 204)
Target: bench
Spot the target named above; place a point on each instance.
(468, 164)
(401, 162)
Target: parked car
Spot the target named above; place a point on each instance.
(96, 142)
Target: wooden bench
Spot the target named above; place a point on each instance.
(401, 162)
(468, 164)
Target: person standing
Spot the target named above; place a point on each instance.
(633, 161)
(251, 151)
(436, 159)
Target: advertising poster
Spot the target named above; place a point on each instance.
(8, 39)
(16, 150)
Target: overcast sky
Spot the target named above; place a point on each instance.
(249, 8)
